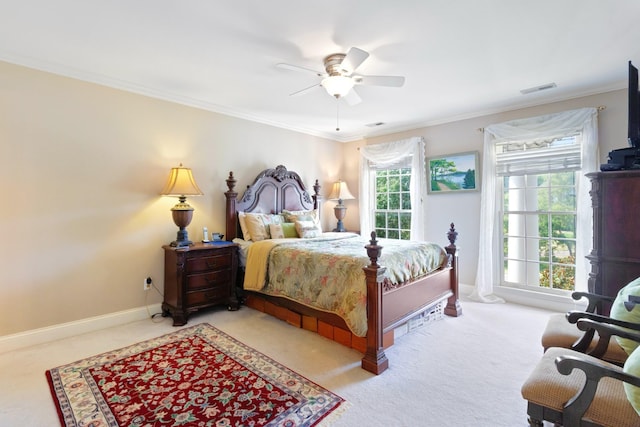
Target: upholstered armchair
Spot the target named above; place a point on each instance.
(570, 388)
(561, 329)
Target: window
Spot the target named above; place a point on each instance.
(393, 189)
(539, 213)
(536, 218)
(539, 230)
(393, 203)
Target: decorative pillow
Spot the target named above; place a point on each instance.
(632, 367)
(307, 229)
(293, 216)
(258, 225)
(289, 230)
(257, 230)
(286, 230)
(276, 231)
(620, 312)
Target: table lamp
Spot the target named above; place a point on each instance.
(181, 184)
(340, 192)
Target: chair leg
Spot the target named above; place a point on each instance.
(535, 423)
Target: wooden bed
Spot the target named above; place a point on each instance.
(388, 307)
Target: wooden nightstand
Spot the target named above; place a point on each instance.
(199, 276)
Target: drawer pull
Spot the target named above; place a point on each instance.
(211, 264)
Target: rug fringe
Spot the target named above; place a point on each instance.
(334, 415)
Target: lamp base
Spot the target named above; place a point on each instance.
(182, 239)
(340, 212)
(182, 214)
(339, 227)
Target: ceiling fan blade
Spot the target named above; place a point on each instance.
(354, 58)
(305, 90)
(352, 98)
(392, 81)
(298, 68)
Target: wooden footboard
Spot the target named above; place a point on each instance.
(387, 310)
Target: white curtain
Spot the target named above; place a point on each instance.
(391, 155)
(583, 121)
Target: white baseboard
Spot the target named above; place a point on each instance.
(83, 326)
(558, 303)
(65, 330)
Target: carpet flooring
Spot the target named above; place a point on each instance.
(464, 371)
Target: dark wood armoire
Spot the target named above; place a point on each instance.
(615, 257)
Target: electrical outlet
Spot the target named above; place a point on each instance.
(147, 284)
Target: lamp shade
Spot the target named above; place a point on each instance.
(181, 183)
(337, 86)
(340, 191)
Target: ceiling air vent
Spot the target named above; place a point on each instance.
(538, 88)
(373, 125)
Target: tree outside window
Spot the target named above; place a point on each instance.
(393, 203)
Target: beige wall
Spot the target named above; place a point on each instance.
(461, 136)
(81, 167)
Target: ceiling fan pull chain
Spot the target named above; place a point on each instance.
(337, 115)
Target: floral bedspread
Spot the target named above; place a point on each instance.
(326, 272)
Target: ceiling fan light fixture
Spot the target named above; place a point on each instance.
(337, 86)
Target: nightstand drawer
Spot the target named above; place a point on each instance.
(208, 263)
(207, 296)
(208, 280)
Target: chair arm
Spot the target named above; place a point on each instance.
(605, 332)
(594, 370)
(585, 340)
(593, 300)
(575, 316)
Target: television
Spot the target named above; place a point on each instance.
(634, 108)
(628, 158)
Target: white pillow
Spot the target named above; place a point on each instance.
(294, 216)
(308, 229)
(243, 226)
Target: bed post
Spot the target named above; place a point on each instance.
(453, 307)
(232, 220)
(374, 360)
(317, 199)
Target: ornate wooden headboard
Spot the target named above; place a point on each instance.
(272, 191)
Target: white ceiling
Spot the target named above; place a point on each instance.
(461, 58)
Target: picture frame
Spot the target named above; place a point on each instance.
(453, 173)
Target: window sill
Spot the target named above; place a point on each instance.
(552, 302)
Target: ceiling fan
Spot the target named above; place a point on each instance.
(339, 77)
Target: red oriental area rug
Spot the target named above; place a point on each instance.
(197, 376)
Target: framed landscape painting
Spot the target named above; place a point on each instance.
(453, 173)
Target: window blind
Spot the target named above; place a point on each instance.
(538, 157)
(405, 162)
